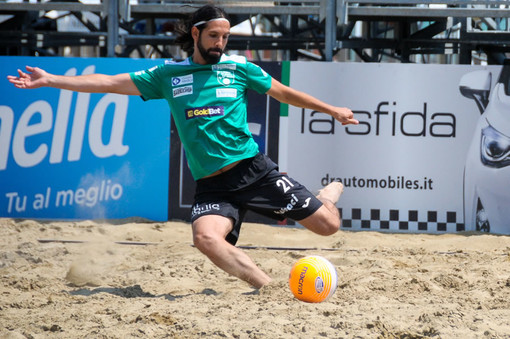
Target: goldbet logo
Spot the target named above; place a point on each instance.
(207, 111)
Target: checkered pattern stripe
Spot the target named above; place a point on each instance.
(412, 220)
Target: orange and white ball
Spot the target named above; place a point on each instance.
(313, 279)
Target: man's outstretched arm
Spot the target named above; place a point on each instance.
(296, 98)
(36, 77)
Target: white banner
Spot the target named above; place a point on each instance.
(403, 165)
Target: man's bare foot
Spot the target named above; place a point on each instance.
(331, 192)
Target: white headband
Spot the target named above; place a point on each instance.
(204, 21)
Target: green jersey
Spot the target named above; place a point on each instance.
(208, 104)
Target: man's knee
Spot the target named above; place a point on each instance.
(209, 234)
(322, 222)
(331, 219)
(328, 226)
(204, 241)
(332, 226)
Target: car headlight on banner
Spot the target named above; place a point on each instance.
(495, 148)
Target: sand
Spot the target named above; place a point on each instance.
(108, 285)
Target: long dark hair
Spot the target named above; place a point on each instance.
(205, 14)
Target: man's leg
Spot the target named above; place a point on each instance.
(326, 220)
(209, 234)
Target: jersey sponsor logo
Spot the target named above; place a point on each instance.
(184, 90)
(184, 80)
(225, 78)
(206, 111)
(219, 67)
(226, 93)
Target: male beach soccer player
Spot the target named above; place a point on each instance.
(207, 97)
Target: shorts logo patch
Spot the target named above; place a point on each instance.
(201, 209)
(293, 201)
(184, 90)
(307, 202)
(206, 111)
(184, 80)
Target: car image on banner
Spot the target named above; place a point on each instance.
(487, 170)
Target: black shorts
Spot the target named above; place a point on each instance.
(256, 185)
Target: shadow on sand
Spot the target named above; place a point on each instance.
(135, 292)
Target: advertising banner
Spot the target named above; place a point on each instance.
(431, 152)
(403, 166)
(68, 155)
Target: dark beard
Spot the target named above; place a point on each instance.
(208, 57)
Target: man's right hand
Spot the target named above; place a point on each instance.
(34, 78)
